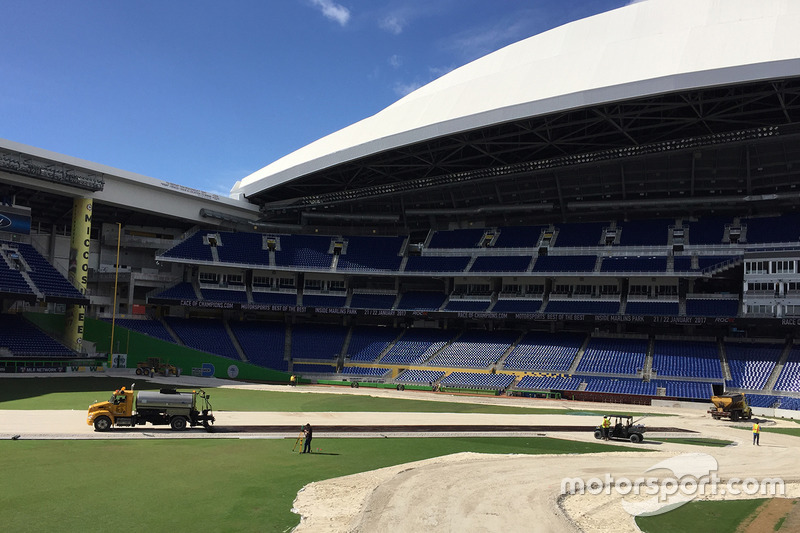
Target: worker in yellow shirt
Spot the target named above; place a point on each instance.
(606, 425)
(756, 433)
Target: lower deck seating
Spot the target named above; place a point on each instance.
(473, 380)
(23, 339)
(425, 377)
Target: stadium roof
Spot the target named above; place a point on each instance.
(642, 50)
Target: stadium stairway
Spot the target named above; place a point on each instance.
(501, 363)
(177, 340)
(726, 369)
(578, 356)
(776, 371)
(647, 370)
(235, 341)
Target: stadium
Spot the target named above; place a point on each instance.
(588, 225)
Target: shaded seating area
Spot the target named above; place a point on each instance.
(368, 342)
(23, 339)
(207, 335)
(263, 343)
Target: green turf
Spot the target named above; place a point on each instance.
(201, 484)
(78, 393)
(705, 516)
(718, 443)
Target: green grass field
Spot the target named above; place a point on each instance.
(705, 516)
(201, 484)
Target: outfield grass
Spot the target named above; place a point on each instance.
(78, 393)
(202, 484)
(705, 516)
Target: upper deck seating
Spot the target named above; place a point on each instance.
(372, 301)
(645, 232)
(416, 346)
(634, 264)
(519, 236)
(544, 351)
(751, 363)
(23, 339)
(191, 248)
(422, 300)
(789, 379)
(317, 341)
(264, 343)
(579, 234)
(584, 307)
(242, 248)
(508, 263)
(458, 238)
(368, 342)
(613, 356)
(475, 349)
(565, 263)
(514, 305)
(371, 253)
(45, 277)
(207, 335)
(686, 359)
(707, 230)
(304, 251)
(785, 228)
(436, 264)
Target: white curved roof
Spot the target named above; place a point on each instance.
(646, 48)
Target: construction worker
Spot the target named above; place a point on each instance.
(756, 433)
(606, 425)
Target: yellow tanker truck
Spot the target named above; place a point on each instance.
(733, 406)
(165, 407)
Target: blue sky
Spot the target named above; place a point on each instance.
(203, 93)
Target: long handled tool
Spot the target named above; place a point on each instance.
(299, 440)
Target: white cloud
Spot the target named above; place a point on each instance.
(395, 61)
(402, 89)
(393, 24)
(333, 11)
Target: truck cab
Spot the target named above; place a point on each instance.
(103, 415)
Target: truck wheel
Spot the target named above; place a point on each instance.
(636, 438)
(734, 416)
(102, 423)
(598, 434)
(178, 423)
(138, 371)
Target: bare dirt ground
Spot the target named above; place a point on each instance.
(470, 492)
